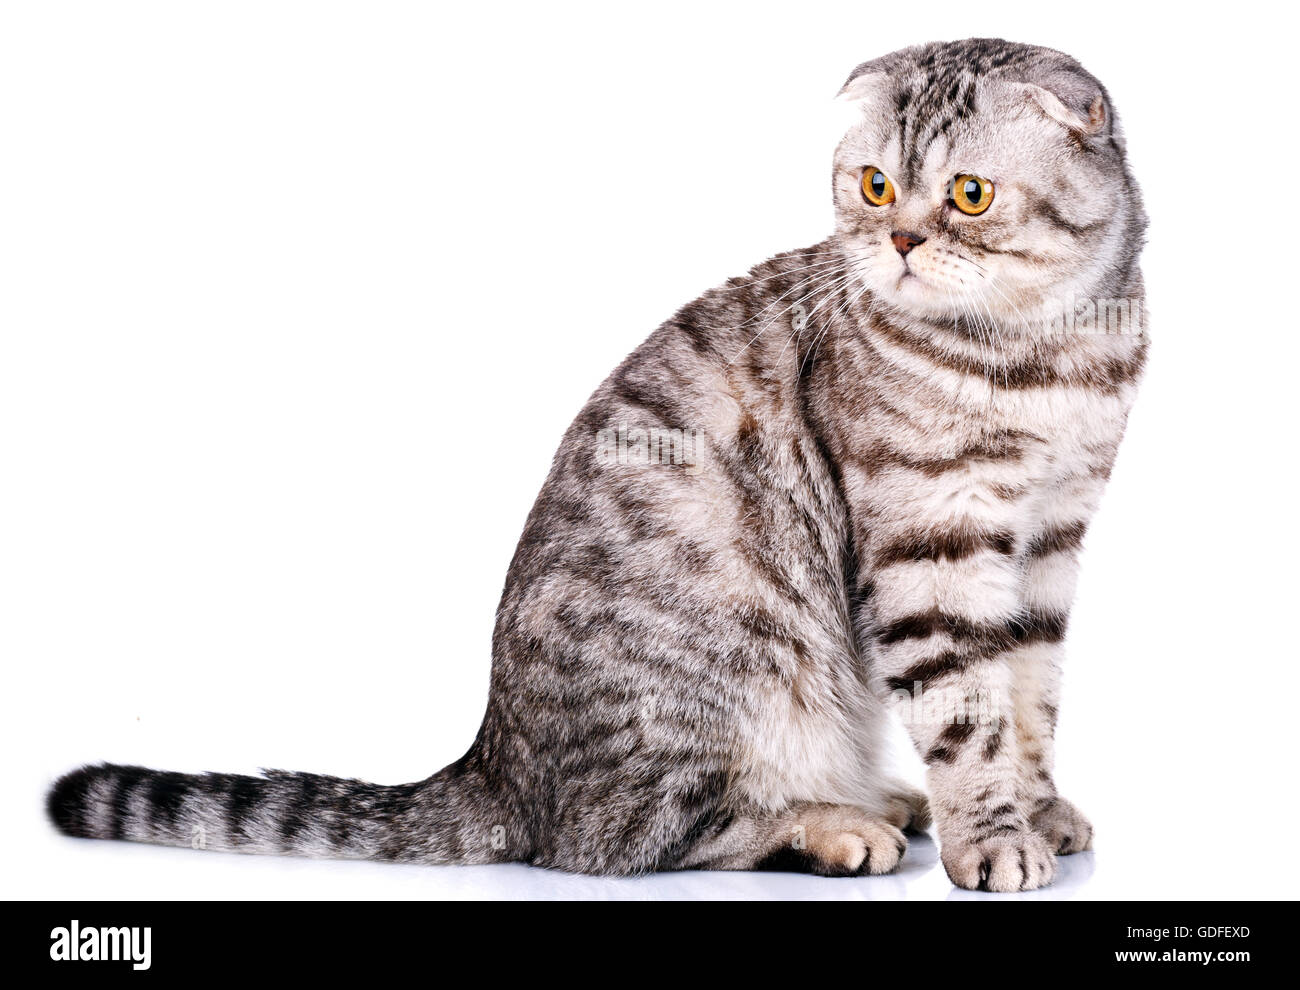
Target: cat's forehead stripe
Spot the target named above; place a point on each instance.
(935, 85)
(934, 104)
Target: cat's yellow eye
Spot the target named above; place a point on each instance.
(971, 194)
(876, 187)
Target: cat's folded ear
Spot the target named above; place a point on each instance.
(1073, 100)
(863, 81)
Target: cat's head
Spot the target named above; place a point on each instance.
(984, 180)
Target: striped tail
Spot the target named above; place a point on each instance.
(445, 819)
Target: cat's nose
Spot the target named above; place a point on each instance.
(904, 241)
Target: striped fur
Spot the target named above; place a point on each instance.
(892, 464)
(283, 813)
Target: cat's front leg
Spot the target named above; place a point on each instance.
(944, 611)
(1036, 672)
(1050, 574)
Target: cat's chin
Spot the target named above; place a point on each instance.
(915, 301)
(921, 294)
(911, 298)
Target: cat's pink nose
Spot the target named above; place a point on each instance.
(904, 241)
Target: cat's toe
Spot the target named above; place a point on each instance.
(883, 846)
(868, 850)
(909, 810)
(837, 841)
(855, 844)
(1002, 863)
(1063, 826)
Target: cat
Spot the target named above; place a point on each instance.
(854, 480)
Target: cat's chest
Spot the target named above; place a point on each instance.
(984, 462)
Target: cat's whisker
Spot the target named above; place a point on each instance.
(747, 284)
(840, 283)
(988, 327)
(815, 348)
(1025, 322)
(995, 332)
(970, 322)
(772, 321)
(808, 281)
(810, 285)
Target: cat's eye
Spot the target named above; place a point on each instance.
(876, 187)
(972, 194)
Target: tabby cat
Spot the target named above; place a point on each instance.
(854, 480)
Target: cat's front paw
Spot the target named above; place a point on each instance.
(1063, 826)
(1012, 861)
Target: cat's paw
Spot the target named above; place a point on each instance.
(1063, 826)
(908, 809)
(848, 842)
(873, 849)
(1002, 863)
(839, 841)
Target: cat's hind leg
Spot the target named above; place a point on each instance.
(835, 840)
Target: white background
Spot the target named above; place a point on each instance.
(297, 300)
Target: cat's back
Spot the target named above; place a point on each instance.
(706, 410)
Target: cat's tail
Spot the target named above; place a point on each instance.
(445, 819)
